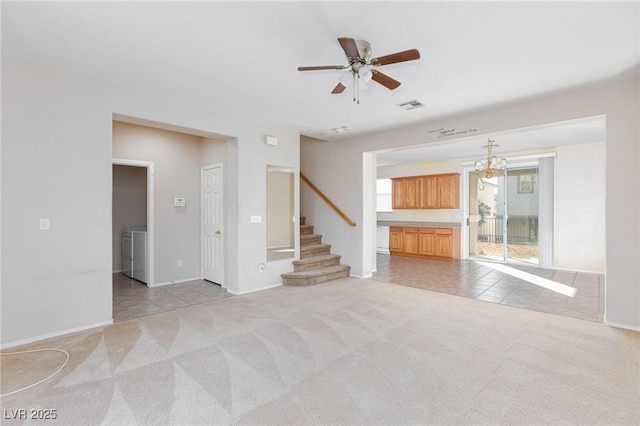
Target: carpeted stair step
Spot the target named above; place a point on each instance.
(314, 250)
(306, 229)
(316, 262)
(310, 239)
(303, 220)
(316, 276)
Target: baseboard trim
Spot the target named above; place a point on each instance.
(361, 276)
(583, 271)
(54, 334)
(255, 290)
(618, 325)
(175, 282)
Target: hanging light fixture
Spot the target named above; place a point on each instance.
(360, 77)
(492, 166)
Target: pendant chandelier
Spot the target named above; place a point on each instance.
(492, 166)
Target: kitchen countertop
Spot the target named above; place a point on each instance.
(420, 224)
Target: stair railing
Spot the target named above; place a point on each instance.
(327, 200)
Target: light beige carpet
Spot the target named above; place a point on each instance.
(345, 352)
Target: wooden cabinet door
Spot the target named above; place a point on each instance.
(428, 192)
(448, 189)
(411, 193)
(427, 242)
(410, 241)
(398, 193)
(395, 239)
(444, 245)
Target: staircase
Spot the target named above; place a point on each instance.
(316, 264)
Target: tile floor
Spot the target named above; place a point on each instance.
(133, 299)
(467, 278)
(470, 279)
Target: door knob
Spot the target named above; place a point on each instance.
(218, 232)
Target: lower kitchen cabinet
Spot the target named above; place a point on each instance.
(395, 239)
(431, 243)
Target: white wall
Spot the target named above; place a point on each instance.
(618, 99)
(579, 207)
(57, 127)
(177, 158)
(129, 205)
(213, 151)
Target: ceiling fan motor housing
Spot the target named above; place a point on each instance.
(364, 48)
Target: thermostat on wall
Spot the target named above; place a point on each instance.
(179, 202)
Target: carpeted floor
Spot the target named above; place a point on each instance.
(345, 352)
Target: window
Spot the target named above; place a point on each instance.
(383, 195)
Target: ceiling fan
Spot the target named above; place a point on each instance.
(361, 65)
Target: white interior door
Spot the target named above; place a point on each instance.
(212, 224)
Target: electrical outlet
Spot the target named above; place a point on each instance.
(581, 255)
(179, 262)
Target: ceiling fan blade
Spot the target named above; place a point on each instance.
(338, 89)
(349, 46)
(385, 80)
(407, 55)
(323, 67)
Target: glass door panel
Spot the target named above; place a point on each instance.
(503, 216)
(522, 215)
(486, 225)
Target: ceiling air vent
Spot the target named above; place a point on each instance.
(408, 105)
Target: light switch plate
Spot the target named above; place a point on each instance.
(179, 202)
(256, 219)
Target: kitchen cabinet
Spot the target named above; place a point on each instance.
(410, 240)
(427, 242)
(405, 193)
(426, 192)
(448, 187)
(395, 239)
(428, 186)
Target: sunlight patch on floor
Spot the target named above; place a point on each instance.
(533, 279)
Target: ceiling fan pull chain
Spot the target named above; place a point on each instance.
(355, 87)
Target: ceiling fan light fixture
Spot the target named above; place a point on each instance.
(365, 75)
(346, 79)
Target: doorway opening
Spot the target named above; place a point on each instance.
(133, 208)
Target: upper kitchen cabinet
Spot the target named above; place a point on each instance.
(405, 193)
(427, 192)
(448, 187)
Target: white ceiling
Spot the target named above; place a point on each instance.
(242, 57)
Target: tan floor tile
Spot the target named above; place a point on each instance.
(468, 279)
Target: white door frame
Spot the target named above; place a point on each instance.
(224, 235)
(464, 244)
(150, 210)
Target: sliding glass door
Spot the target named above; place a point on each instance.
(503, 216)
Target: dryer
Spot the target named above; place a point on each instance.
(134, 253)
